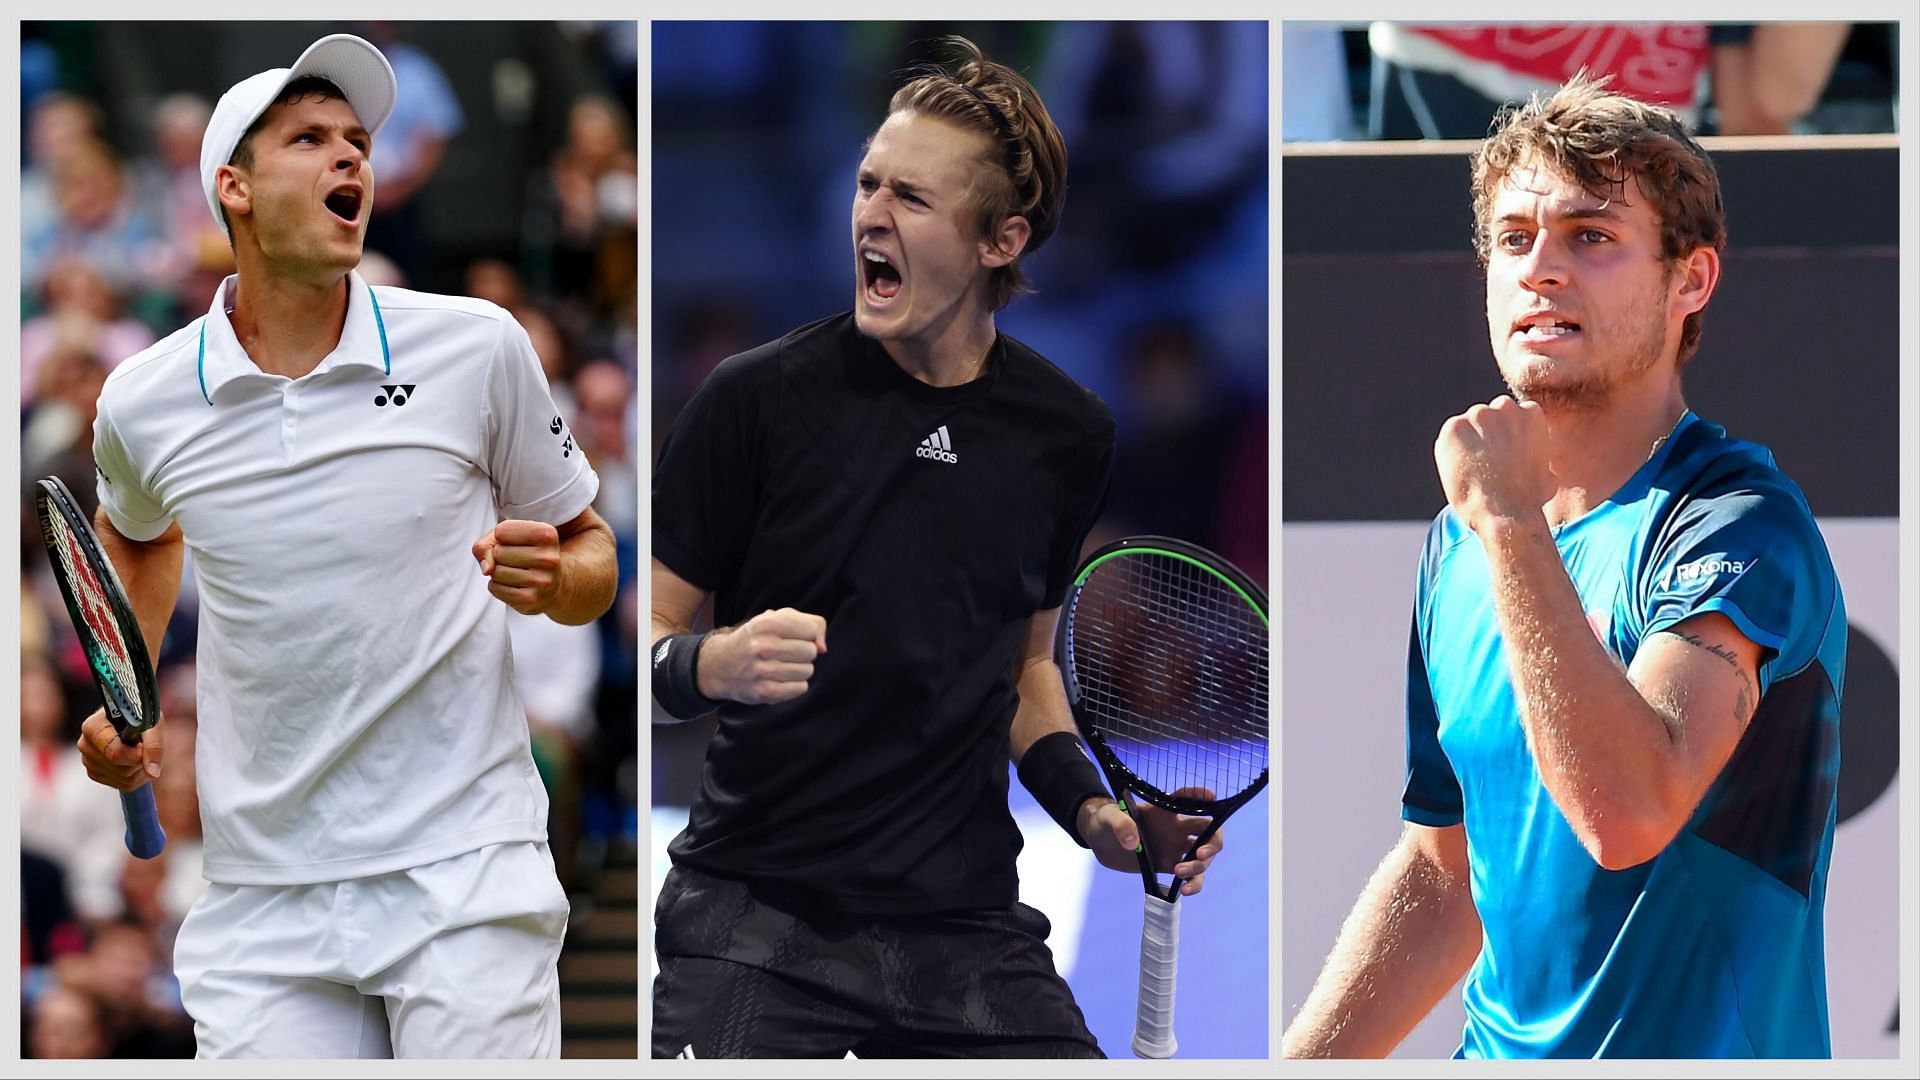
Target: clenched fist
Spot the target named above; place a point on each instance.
(766, 659)
(1494, 462)
(522, 559)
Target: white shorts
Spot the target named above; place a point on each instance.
(455, 959)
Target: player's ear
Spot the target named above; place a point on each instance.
(1006, 242)
(1695, 278)
(234, 189)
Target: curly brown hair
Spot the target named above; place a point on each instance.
(1027, 159)
(1601, 139)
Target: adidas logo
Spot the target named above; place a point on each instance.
(938, 447)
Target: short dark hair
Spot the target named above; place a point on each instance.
(1028, 163)
(306, 86)
(1600, 139)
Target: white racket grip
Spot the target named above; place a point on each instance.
(1159, 956)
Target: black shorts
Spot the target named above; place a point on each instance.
(742, 978)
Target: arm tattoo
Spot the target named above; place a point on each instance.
(1744, 704)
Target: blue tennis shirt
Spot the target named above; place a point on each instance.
(1714, 948)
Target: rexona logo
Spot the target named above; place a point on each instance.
(938, 447)
(1700, 568)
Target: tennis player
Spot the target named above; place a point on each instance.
(1623, 689)
(360, 474)
(887, 506)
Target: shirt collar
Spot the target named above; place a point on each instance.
(363, 339)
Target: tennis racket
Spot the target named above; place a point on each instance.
(1163, 646)
(116, 651)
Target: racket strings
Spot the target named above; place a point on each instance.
(106, 648)
(1171, 664)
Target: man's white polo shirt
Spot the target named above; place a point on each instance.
(356, 704)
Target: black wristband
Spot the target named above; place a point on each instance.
(1059, 776)
(676, 685)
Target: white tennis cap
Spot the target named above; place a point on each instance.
(348, 62)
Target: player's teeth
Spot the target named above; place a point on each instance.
(874, 256)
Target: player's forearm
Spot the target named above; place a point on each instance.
(1791, 63)
(149, 570)
(589, 575)
(1609, 759)
(1412, 934)
(659, 627)
(1761, 86)
(1043, 707)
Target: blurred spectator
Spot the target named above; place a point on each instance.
(603, 393)
(57, 123)
(586, 208)
(65, 817)
(64, 1023)
(1766, 76)
(426, 117)
(56, 439)
(140, 1012)
(496, 280)
(80, 314)
(198, 255)
(95, 219)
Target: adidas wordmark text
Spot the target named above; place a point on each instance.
(938, 447)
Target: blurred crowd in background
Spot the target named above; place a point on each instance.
(1388, 80)
(507, 172)
(1153, 293)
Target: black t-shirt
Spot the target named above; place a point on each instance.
(926, 525)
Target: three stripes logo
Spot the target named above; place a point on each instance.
(397, 394)
(938, 447)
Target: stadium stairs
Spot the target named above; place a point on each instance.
(599, 966)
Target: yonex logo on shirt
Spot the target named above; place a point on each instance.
(396, 394)
(938, 447)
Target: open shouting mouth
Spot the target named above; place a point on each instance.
(344, 203)
(881, 277)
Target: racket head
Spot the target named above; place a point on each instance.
(102, 616)
(1163, 647)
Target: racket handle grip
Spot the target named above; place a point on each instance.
(145, 838)
(1159, 957)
